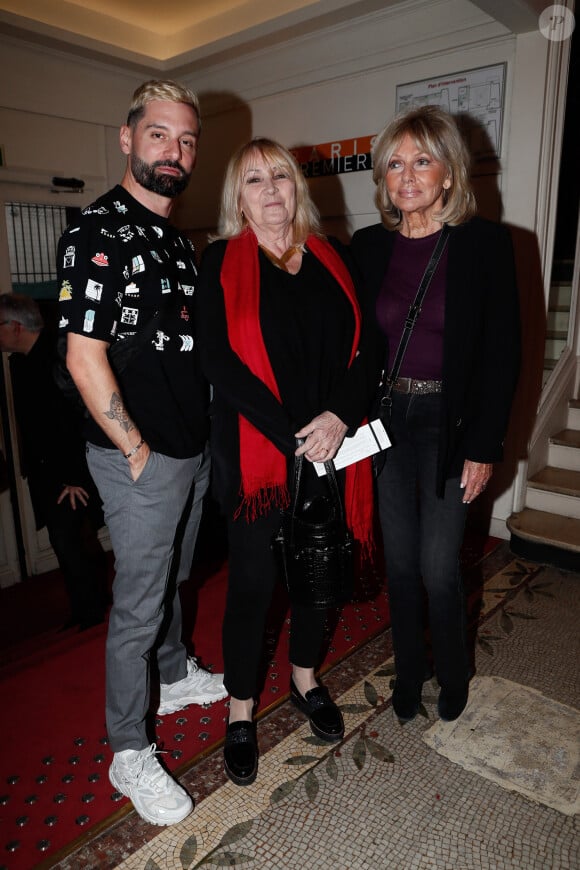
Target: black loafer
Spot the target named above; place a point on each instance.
(241, 753)
(325, 718)
(452, 702)
(406, 701)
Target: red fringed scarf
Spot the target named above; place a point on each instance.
(263, 466)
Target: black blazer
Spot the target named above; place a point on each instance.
(481, 343)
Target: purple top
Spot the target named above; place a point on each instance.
(423, 358)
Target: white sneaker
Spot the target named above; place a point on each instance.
(157, 797)
(198, 687)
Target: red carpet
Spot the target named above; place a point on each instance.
(54, 760)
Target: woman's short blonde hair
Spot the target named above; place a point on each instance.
(435, 132)
(232, 222)
(164, 90)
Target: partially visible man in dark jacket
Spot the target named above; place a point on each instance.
(63, 495)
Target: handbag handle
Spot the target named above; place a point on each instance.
(413, 314)
(330, 477)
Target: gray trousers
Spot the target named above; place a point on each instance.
(153, 524)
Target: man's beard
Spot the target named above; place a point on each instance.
(164, 185)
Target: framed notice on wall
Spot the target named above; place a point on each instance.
(476, 96)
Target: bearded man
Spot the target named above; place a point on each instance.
(126, 279)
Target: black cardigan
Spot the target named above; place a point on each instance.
(481, 342)
(348, 391)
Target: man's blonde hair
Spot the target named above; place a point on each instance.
(171, 92)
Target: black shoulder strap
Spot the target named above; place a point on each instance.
(413, 314)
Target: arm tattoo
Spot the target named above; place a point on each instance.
(117, 411)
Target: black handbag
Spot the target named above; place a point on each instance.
(314, 546)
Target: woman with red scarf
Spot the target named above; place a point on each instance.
(284, 345)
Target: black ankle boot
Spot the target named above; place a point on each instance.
(325, 718)
(406, 701)
(241, 753)
(452, 702)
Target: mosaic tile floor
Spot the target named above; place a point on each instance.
(383, 798)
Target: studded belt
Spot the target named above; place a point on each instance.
(416, 386)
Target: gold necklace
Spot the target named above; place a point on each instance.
(280, 262)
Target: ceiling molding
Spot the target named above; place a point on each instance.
(235, 27)
(205, 32)
(84, 49)
(519, 16)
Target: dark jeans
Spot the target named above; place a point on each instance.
(84, 578)
(253, 574)
(422, 537)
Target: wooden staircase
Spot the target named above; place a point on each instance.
(558, 314)
(547, 530)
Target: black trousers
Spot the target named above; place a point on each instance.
(82, 565)
(253, 574)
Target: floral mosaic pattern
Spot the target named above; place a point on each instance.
(315, 764)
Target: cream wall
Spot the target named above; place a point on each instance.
(342, 85)
(60, 114)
